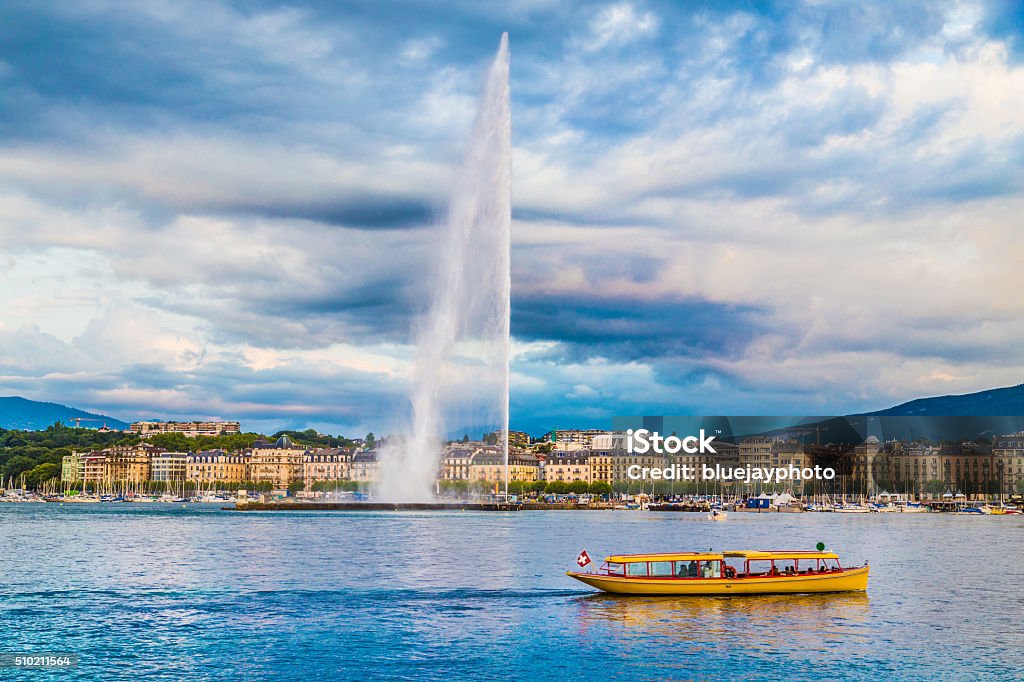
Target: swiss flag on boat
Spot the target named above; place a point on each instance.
(583, 559)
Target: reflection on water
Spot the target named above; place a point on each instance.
(798, 619)
(193, 593)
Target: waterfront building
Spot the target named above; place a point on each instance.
(566, 467)
(516, 439)
(789, 453)
(792, 453)
(455, 464)
(209, 466)
(168, 466)
(326, 464)
(913, 465)
(868, 464)
(608, 441)
(621, 465)
(519, 439)
(756, 453)
(277, 463)
(365, 467)
(601, 469)
(727, 455)
(71, 467)
(970, 469)
(129, 463)
(581, 438)
(523, 466)
(974, 469)
(93, 467)
(694, 463)
(190, 429)
(611, 464)
(488, 464)
(1008, 462)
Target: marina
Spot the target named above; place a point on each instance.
(714, 508)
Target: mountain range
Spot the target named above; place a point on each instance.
(995, 402)
(31, 415)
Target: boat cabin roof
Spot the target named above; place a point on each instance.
(749, 554)
(761, 554)
(671, 556)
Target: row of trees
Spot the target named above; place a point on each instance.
(559, 487)
(177, 442)
(26, 452)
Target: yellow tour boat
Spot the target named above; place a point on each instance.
(736, 572)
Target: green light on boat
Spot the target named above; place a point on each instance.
(821, 546)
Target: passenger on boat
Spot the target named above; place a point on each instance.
(691, 569)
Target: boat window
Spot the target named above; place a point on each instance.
(686, 569)
(785, 565)
(710, 569)
(638, 568)
(661, 568)
(760, 567)
(615, 569)
(736, 564)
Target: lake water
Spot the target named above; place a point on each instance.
(169, 593)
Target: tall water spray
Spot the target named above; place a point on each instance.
(462, 364)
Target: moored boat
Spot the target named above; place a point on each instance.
(853, 509)
(725, 573)
(983, 510)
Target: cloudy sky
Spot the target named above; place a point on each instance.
(225, 208)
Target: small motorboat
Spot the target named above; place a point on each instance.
(724, 573)
(717, 515)
(853, 509)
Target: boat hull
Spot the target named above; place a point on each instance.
(849, 580)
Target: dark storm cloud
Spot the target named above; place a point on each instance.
(109, 67)
(624, 329)
(368, 212)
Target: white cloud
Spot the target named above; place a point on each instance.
(421, 49)
(619, 24)
(866, 210)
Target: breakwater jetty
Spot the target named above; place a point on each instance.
(375, 506)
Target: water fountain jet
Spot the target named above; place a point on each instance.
(463, 339)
